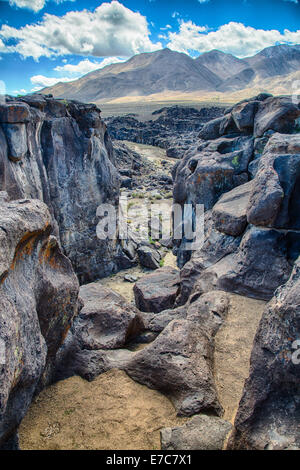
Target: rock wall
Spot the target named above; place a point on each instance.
(59, 151)
(38, 300)
(247, 181)
(269, 411)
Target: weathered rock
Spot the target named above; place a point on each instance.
(179, 362)
(106, 321)
(269, 412)
(256, 269)
(67, 162)
(276, 113)
(275, 197)
(157, 292)
(200, 433)
(149, 257)
(215, 247)
(157, 322)
(38, 298)
(230, 212)
(105, 324)
(243, 115)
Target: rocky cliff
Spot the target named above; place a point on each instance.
(38, 298)
(60, 152)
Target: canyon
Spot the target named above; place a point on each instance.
(200, 344)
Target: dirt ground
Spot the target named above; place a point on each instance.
(233, 346)
(111, 413)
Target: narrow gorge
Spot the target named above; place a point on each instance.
(143, 342)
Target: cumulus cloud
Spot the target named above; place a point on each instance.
(40, 81)
(234, 38)
(110, 30)
(34, 5)
(203, 1)
(86, 66)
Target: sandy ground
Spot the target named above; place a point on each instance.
(111, 413)
(233, 346)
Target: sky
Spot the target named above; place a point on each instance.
(43, 42)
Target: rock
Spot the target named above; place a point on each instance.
(55, 140)
(17, 141)
(276, 113)
(200, 433)
(275, 199)
(256, 269)
(129, 278)
(243, 115)
(14, 113)
(157, 291)
(38, 300)
(179, 362)
(230, 212)
(157, 322)
(4, 196)
(149, 257)
(215, 247)
(106, 321)
(269, 411)
(211, 130)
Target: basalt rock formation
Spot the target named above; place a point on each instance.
(60, 152)
(38, 298)
(253, 224)
(165, 127)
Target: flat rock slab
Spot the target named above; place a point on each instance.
(157, 291)
(200, 433)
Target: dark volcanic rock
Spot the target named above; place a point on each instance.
(200, 433)
(157, 292)
(179, 362)
(276, 113)
(149, 257)
(38, 299)
(60, 152)
(269, 412)
(105, 324)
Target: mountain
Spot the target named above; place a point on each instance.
(167, 72)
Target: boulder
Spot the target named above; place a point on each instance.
(157, 291)
(17, 141)
(14, 113)
(179, 362)
(106, 320)
(269, 411)
(243, 115)
(157, 322)
(38, 300)
(149, 257)
(275, 196)
(276, 113)
(230, 212)
(202, 432)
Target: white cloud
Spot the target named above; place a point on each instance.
(40, 81)
(203, 1)
(293, 1)
(234, 38)
(110, 30)
(34, 5)
(86, 66)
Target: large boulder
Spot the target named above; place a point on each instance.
(157, 291)
(202, 432)
(269, 411)
(230, 212)
(275, 196)
(105, 324)
(38, 299)
(276, 113)
(179, 362)
(149, 257)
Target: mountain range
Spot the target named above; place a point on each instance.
(171, 73)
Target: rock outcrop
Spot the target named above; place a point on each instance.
(251, 240)
(38, 298)
(59, 151)
(269, 412)
(106, 324)
(179, 362)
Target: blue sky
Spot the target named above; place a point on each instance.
(46, 41)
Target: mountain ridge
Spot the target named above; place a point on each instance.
(167, 71)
